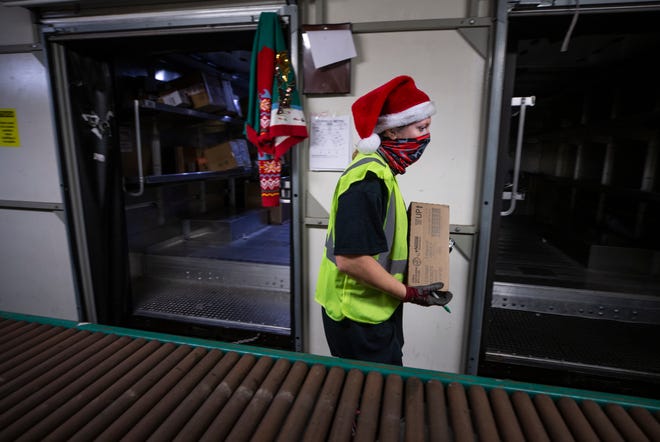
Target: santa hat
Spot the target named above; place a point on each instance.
(396, 103)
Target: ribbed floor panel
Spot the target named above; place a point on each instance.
(213, 304)
(552, 340)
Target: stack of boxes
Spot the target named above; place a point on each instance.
(203, 92)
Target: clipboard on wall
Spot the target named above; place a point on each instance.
(331, 79)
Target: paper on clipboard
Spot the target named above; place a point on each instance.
(329, 143)
(331, 46)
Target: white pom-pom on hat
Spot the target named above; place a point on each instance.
(396, 103)
(369, 144)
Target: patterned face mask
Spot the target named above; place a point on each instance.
(403, 152)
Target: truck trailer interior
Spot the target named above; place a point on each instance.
(172, 215)
(177, 264)
(576, 256)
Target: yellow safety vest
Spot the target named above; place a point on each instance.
(343, 296)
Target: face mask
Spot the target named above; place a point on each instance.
(403, 152)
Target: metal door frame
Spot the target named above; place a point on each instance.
(127, 24)
(490, 194)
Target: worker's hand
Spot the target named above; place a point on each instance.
(427, 295)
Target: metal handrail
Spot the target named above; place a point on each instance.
(138, 144)
(523, 102)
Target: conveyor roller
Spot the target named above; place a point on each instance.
(67, 381)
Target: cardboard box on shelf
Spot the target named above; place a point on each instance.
(186, 159)
(217, 158)
(202, 91)
(212, 94)
(176, 98)
(428, 253)
(241, 152)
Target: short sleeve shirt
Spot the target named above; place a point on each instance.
(360, 216)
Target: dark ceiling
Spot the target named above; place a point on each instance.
(601, 46)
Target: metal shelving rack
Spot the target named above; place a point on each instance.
(158, 178)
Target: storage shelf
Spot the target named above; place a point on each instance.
(173, 178)
(182, 111)
(640, 127)
(590, 185)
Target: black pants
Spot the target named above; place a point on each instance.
(367, 342)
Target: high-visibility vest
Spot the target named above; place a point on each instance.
(343, 296)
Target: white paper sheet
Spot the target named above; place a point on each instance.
(329, 143)
(331, 46)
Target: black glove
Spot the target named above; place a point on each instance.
(427, 295)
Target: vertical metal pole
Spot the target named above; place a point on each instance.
(156, 161)
(605, 178)
(298, 306)
(516, 165)
(650, 165)
(608, 164)
(70, 166)
(560, 166)
(648, 183)
(577, 171)
(160, 206)
(138, 147)
(202, 197)
(488, 191)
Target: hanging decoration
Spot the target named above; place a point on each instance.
(275, 120)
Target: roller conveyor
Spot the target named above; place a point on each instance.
(66, 381)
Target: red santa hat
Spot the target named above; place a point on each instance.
(396, 103)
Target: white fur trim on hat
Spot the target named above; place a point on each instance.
(369, 144)
(415, 113)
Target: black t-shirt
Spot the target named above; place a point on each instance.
(359, 219)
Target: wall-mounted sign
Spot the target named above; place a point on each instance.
(329, 146)
(9, 128)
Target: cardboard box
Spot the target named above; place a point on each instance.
(186, 159)
(202, 91)
(218, 158)
(175, 98)
(428, 253)
(241, 153)
(212, 94)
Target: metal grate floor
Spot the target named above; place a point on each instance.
(213, 304)
(593, 344)
(241, 284)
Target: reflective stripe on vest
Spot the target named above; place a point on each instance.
(384, 259)
(343, 296)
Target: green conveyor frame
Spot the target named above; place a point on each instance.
(405, 372)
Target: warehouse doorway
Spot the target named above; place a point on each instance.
(164, 199)
(574, 279)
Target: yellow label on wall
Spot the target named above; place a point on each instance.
(9, 128)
